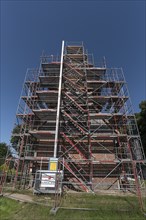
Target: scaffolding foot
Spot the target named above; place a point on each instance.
(54, 210)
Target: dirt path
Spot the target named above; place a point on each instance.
(19, 197)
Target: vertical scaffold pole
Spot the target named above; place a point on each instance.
(59, 100)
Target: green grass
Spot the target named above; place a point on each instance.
(108, 208)
(8, 207)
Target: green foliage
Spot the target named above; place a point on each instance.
(3, 152)
(8, 169)
(4, 168)
(141, 122)
(15, 139)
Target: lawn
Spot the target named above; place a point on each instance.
(103, 207)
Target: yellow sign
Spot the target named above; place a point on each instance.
(53, 166)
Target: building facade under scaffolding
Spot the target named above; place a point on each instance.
(81, 114)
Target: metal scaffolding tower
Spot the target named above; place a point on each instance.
(81, 114)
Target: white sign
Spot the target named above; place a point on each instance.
(48, 180)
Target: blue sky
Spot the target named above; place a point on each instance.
(114, 29)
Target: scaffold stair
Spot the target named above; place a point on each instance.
(73, 145)
(82, 183)
(75, 104)
(74, 123)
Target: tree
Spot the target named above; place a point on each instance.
(4, 167)
(141, 122)
(14, 138)
(3, 152)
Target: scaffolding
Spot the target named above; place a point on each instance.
(81, 114)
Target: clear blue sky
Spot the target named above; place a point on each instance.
(114, 29)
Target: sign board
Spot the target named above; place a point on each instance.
(53, 165)
(45, 181)
(48, 180)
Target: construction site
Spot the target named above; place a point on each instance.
(75, 129)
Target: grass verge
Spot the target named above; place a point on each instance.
(107, 207)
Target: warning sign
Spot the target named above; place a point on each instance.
(53, 166)
(48, 180)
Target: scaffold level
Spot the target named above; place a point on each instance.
(81, 114)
